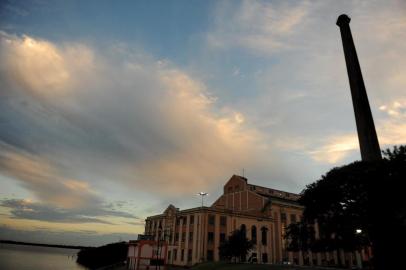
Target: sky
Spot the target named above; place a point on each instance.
(110, 111)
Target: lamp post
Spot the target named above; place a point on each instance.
(358, 231)
(162, 235)
(158, 251)
(202, 194)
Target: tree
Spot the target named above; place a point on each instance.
(103, 256)
(366, 196)
(300, 236)
(236, 246)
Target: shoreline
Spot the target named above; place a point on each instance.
(42, 245)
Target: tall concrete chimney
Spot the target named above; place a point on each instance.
(367, 137)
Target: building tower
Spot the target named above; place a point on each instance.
(368, 140)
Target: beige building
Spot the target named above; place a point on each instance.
(194, 235)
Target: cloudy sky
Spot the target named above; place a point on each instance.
(109, 111)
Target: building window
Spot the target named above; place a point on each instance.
(222, 237)
(190, 236)
(283, 217)
(192, 220)
(264, 257)
(210, 237)
(170, 236)
(182, 255)
(254, 234)
(189, 255)
(264, 236)
(230, 189)
(175, 253)
(210, 255)
(223, 221)
(178, 221)
(169, 255)
(176, 237)
(243, 229)
(212, 219)
(237, 187)
(293, 218)
(183, 237)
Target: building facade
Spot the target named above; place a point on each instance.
(194, 235)
(145, 254)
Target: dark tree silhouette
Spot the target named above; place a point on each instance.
(102, 256)
(236, 246)
(300, 236)
(362, 195)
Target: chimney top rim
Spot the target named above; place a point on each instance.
(343, 19)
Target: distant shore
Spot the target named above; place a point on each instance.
(42, 245)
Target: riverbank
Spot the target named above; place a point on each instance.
(41, 244)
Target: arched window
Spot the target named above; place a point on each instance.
(243, 229)
(254, 234)
(264, 234)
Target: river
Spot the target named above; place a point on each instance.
(20, 257)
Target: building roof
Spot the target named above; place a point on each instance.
(212, 210)
(273, 195)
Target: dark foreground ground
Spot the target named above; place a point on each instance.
(233, 266)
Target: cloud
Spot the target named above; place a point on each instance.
(140, 223)
(44, 180)
(304, 103)
(259, 26)
(391, 130)
(27, 209)
(336, 149)
(41, 66)
(47, 236)
(104, 116)
(116, 113)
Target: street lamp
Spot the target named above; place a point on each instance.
(357, 252)
(158, 252)
(202, 194)
(162, 240)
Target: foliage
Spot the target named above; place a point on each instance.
(398, 154)
(236, 246)
(300, 236)
(362, 195)
(103, 256)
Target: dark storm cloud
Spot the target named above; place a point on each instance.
(140, 223)
(47, 236)
(23, 209)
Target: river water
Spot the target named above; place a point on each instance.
(19, 257)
